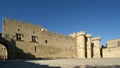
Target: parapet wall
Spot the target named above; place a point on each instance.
(113, 43)
(11, 26)
(111, 52)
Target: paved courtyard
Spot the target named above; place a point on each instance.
(62, 63)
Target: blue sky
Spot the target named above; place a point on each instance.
(99, 17)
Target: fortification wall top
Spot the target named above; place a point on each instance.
(33, 27)
(81, 33)
(96, 38)
(89, 35)
(118, 39)
(113, 43)
(72, 35)
(20, 23)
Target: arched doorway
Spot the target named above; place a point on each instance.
(3, 52)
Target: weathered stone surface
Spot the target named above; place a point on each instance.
(89, 46)
(112, 50)
(24, 41)
(96, 47)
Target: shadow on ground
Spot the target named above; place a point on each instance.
(88, 66)
(22, 64)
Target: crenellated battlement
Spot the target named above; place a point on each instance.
(32, 27)
(89, 35)
(39, 41)
(61, 35)
(81, 33)
(117, 39)
(96, 38)
(20, 23)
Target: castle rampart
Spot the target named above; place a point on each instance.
(112, 50)
(58, 45)
(34, 40)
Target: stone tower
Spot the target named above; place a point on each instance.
(80, 42)
(96, 47)
(89, 52)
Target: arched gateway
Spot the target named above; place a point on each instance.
(3, 52)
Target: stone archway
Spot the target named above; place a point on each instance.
(3, 52)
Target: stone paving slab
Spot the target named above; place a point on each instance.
(62, 63)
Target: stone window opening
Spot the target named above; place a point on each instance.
(33, 32)
(35, 49)
(19, 36)
(46, 41)
(18, 29)
(34, 38)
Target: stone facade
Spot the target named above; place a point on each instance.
(32, 41)
(112, 50)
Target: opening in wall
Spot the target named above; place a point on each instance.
(19, 36)
(34, 38)
(35, 49)
(18, 29)
(46, 41)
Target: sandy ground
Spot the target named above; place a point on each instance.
(62, 63)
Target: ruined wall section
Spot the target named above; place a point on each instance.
(49, 44)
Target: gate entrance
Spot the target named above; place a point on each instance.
(3, 52)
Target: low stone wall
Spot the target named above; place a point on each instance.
(113, 52)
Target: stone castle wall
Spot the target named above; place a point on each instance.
(112, 50)
(49, 44)
(33, 41)
(113, 43)
(38, 42)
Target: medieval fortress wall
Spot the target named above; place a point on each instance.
(47, 44)
(113, 49)
(38, 41)
(33, 41)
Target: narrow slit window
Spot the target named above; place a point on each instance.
(46, 41)
(35, 49)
